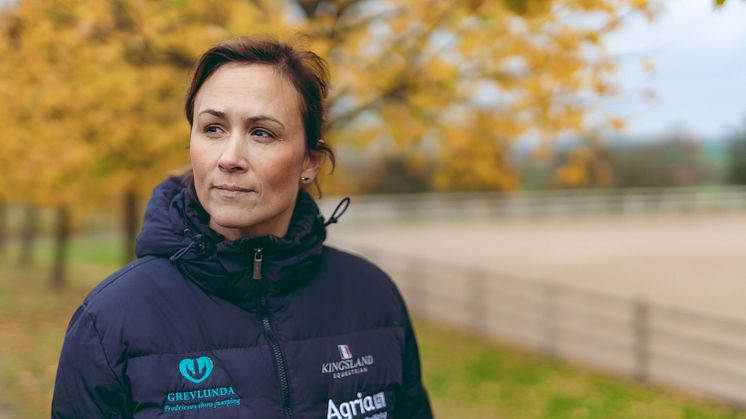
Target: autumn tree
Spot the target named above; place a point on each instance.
(674, 160)
(98, 84)
(464, 78)
(585, 166)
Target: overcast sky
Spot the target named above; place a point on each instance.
(700, 78)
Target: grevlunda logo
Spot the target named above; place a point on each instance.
(348, 364)
(186, 399)
(196, 370)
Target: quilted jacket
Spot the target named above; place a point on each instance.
(261, 327)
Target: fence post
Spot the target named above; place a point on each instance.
(641, 348)
(549, 313)
(477, 304)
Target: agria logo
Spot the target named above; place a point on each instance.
(196, 370)
(362, 406)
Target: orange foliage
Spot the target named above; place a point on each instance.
(97, 86)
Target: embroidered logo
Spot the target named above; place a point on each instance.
(344, 351)
(196, 370)
(347, 365)
(363, 405)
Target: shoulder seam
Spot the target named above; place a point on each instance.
(130, 267)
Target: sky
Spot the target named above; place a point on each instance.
(700, 70)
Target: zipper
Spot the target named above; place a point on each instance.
(279, 361)
(257, 274)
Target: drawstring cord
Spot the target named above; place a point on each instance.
(335, 217)
(196, 240)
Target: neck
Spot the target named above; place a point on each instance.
(275, 227)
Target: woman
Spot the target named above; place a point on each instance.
(235, 308)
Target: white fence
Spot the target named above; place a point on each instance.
(542, 203)
(646, 341)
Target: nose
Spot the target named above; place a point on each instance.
(234, 156)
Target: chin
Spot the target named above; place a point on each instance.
(233, 218)
(241, 223)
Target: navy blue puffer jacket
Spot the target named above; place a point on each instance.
(263, 327)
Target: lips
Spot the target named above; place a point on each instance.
(232, 192)
(233, 188)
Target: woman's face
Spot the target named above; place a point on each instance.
(248, 150)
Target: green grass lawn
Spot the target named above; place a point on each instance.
(467, 376)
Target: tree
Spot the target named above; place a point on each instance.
(736, 173)
(674, 161)
(396, 174)
(586, 166)
(458, 80)
(719, 3)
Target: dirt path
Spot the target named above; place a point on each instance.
(696, 261)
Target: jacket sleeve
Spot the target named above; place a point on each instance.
(413, 401)
(86, 385)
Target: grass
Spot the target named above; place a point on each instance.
(34, 317)
(467, 376)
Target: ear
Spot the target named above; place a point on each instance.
(312, 163)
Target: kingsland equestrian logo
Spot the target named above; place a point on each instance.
(344, 351)
(358, 407)
(196, 370)
(348, 365)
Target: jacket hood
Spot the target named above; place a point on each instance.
(176, 227)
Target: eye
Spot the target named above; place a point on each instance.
(213, 130)
(261, 132)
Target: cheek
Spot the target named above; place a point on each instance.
(282, 170)
(200, 152)
(200, 160)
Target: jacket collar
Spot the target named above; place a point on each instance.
(176, 227)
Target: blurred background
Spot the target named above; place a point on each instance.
(555, 185)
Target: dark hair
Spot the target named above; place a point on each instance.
(304, 69)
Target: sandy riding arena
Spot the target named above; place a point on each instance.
(697, 261)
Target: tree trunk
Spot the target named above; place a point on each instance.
(29, 230)
(3, 227)
(130, 223)
(61, 242)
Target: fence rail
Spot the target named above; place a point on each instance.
(644, 340)
(554, 203)
(481, 205)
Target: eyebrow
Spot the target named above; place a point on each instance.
(256, 118)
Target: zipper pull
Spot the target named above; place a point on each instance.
(257, 264)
